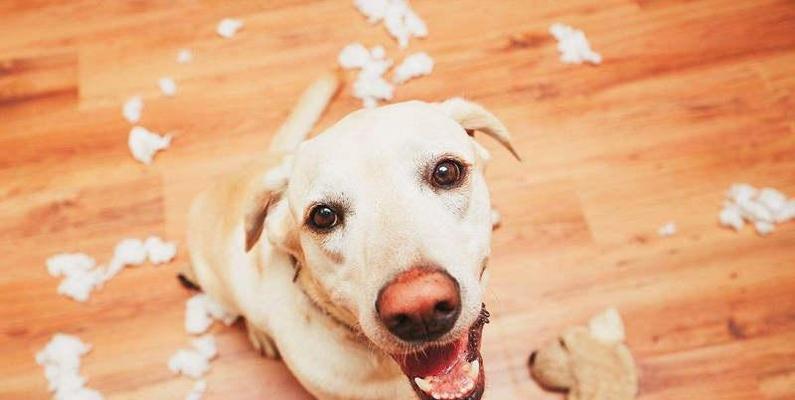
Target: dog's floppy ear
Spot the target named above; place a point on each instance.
(473, 117)
(262, 192)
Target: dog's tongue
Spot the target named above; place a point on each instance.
(441, 372)
(433, 361)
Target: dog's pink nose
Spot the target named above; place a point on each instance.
(419, 304)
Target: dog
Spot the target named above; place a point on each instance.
(359, 256)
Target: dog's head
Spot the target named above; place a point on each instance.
(389, 214)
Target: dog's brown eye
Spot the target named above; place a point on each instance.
(447, 173)
(323, 217)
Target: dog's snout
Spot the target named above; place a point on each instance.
(419, 304)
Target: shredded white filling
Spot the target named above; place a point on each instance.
(159, 251)
(167, 86)
(398, 17)
(370, 85)
(144, 144)
(131, 110)
(194, 362)
(81, 275)
(197, 392)
(200, 312)
(413, 66)
(669, 229)
(573, 46)
(764, 208)
(61, 361)
(184, 56)
(228, 27)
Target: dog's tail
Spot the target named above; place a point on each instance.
(306, 113)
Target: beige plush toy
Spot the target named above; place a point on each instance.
(590, 363)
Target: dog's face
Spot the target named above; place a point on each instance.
(388, 210)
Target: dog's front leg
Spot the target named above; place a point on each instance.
(262, 341)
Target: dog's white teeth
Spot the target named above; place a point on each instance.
(474, 369)
(423, 384)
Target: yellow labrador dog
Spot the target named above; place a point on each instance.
(359, 256)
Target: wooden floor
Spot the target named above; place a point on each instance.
(692, 96)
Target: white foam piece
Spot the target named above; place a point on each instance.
(79, 285)
(159, 251)
(413, 66)
(398, 17)
(764, 228)
(189, 362)
(772, 199)
(741, 191)
(228, 27)
(132, 108)
(65, 264)
(184, 56)
(374, 10)
(206, 346)
(81, 275)
(667, 230)
(753, 211)
(763, 208)
(167, 86)
(354, 55)
(198, 390)
(573, 45)
(144, 144)
(730, 216)
(61, 361)
(370, 85)
(201, 310)
(607, 326)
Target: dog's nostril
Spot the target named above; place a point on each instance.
(444, 307)
(400, 320)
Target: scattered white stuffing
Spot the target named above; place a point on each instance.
(159, 251)
(144, 144)
(82, 275)
(198, 390)
(374, 10)
(496, 218)
(190, 363)
(205, 345)
(370, 85)
(228, 27)
(194, 362)
(669, 229)
(184, 56)
(65, 264)
(354, 55)
(764, 228)
(79, 285)
(763, 208)
(413, 66)
(61, 361)
(167, 86)
(399, 18)
(201, 310)
(731, 216)
(772, 199)
(607, 326)
(127, 252)
(132, 109)
(573, 45)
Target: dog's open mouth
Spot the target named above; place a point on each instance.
(453, 371)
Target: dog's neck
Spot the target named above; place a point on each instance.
(320, 298)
